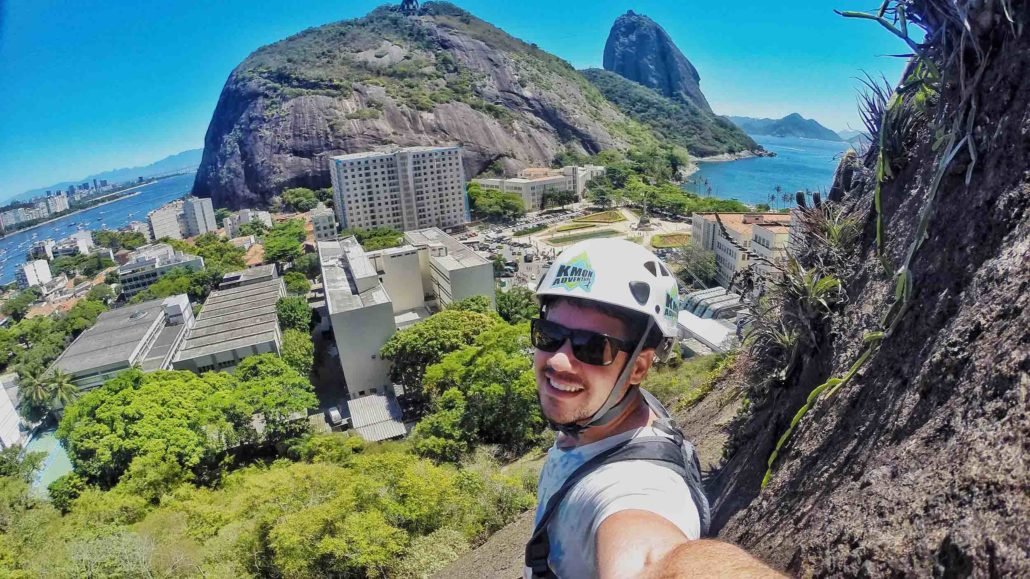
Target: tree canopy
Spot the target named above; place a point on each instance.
(517, 305)
(294, 313)
(495, 205)
(283, 242)
(375, 238)
(299, 199)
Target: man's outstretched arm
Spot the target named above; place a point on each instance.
(643, 545)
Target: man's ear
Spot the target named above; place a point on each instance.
(641, 365)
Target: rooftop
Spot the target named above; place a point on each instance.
(458, 254)
(741, 223)
(343, 261)
(249, 275)
(376, 417)
(235, 318)
(388, 152)
(114, 338)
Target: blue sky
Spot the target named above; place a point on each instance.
(89, 85)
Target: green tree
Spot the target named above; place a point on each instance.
(20, 304)
(440, 436)
(255, 228)
(495, 205)
(375, 238)
(296, 283)
(294, 313)
(414, 348)
(517, 305)
(478, 304)
(101, 293)
(283, 243)
(64, 490)
(308, 264)
(298, 351)
(220, 214)
(697, 265)
(299, 199)
(61, 389)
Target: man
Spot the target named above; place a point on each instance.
(608, 308)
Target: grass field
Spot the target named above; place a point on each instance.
(573, 227)
(567, 239)
(612, 216)
(664, 241)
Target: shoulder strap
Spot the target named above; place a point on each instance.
(650, 448)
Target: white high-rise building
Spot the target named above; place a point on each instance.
(57, 202)
(199, 216)
(34, 273)
(164, 221)
(405, 189)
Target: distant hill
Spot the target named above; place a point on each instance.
(700, 131)
(184, 160)
(792, 125)
(857, 138)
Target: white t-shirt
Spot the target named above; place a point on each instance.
(609, 489)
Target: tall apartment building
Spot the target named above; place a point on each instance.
(323, 222)
(33, 273)
(57, 202)
(728, 259)
(164, 221)
(405, 189)
(150, 263)
(369, 295)
(199, 215)
(233, 222)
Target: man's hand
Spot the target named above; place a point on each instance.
(643, 545)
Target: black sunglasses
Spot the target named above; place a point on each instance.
(589, 347)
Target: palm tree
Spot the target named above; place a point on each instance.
(61, 388)
(32, 384)
(778, 191)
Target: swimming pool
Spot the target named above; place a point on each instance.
(54, 465)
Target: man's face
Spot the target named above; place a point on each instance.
(571, 390)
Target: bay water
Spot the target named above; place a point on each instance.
(114, 215)
(799, 164)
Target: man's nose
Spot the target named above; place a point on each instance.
(562, 360)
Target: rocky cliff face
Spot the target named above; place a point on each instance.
(916, 464)
(439, 77)
(642, 51)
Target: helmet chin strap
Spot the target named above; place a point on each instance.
(618, 398)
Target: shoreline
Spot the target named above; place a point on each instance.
(30, 228)
(720, 158)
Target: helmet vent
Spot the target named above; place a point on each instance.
(665, 272)
(640, 290)
(651, 267)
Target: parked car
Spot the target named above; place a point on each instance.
(333, 416)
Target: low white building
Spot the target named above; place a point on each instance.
(140, 227)
(369, 295)
(233, 222)
(238, 320)
(150, 263)
(145, 335)
(323, 222)
(78, 243)
(532, 183)
(34, 273)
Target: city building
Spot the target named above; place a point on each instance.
(9, 219)
(769, 241)
(199, 215)
(323, 222)
(140, 227)
(165, 221)
(34, 273)
(533, 182)
(233, 222)
(369, 295)
(376, 417)
(450, 270)
(237, 320)
(43, 249)
(146, 335)
(244, 242)
(57, 202)
(12, 429)
(405, 189)
(78, 243)
(150, 263)
(728, 259)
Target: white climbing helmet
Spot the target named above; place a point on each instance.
(620, 273)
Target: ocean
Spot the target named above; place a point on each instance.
(115, 215)
(799, 164)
